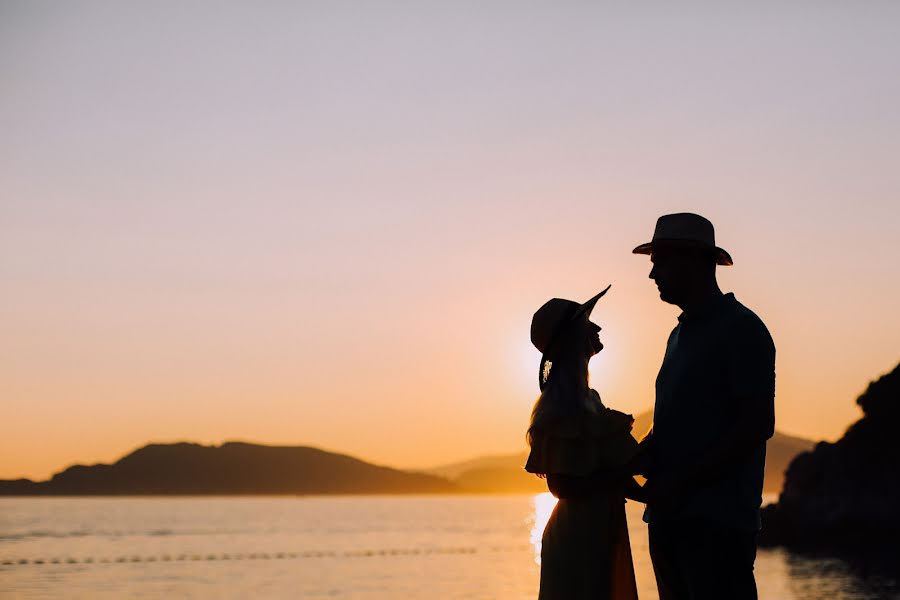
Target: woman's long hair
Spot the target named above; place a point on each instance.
(563, 379)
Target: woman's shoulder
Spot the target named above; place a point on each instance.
(560, 447)
(594, 420)
(603, 421)
(579, 444)
(559, 427)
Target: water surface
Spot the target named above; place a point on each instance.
(360, 547)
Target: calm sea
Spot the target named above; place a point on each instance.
(367, 547)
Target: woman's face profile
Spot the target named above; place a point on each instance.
(590, 334)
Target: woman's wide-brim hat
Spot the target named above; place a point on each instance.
(685, 230)
(549, 319)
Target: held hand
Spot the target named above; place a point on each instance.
(634, 491)
(640, 464)
(665, 493)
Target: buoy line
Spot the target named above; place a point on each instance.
(192, 557)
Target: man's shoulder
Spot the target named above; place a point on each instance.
(744, 320)
(739, 310)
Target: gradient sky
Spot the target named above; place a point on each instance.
(329, 223)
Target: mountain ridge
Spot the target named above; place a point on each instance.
(231, 468)
(237, 467)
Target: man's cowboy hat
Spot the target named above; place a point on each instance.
(685, 230)
(548, 320)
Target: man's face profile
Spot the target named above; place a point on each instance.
(676, 271)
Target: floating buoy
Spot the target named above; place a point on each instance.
(282, 555)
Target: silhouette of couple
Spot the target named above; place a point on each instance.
(703, 459)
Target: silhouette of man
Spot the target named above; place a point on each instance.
(714, 411)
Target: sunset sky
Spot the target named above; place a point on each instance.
(329, 223)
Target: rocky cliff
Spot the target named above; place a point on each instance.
(846, 495)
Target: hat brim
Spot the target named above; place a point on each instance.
(722, 257)
(587, 307)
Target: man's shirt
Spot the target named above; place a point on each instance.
(719, 365)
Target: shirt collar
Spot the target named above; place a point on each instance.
(708, 309)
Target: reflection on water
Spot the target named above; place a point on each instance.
(364, 548)
(838, 579)
(780, 574)
(543, 508)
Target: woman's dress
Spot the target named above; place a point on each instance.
(585, 552)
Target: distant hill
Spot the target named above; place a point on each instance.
(780, 451)
(504, 473)
(501, 473)
(232, 468)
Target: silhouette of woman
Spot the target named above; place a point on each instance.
(584, 450)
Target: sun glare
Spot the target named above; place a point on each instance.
(543, 508)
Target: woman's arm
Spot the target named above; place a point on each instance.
(641, 464)
(576, 486)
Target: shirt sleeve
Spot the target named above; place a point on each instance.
(750, 370)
